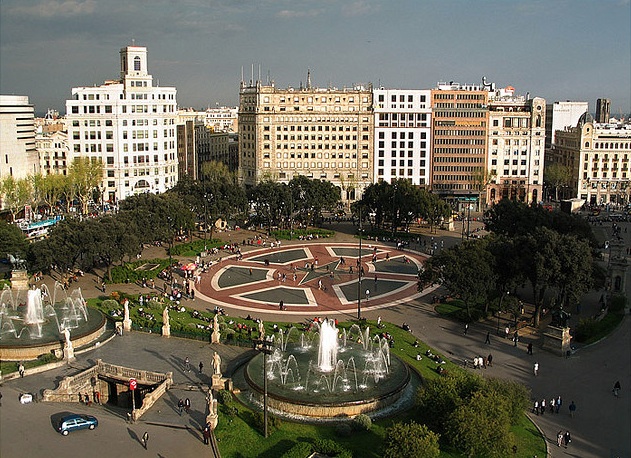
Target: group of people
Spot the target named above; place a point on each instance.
(480, 362)
(539, 407)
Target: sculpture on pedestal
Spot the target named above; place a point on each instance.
(166, 323)
(215, 336)
(126, 319)
(68, 348)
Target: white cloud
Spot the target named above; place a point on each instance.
(291, 14)
(360, 8)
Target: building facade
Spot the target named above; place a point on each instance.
(603, 109)
(129, 125)
(321, 133)
(402, 135)
(18, 154)
(459, 142)
(561, 115)
(516, 147)
(53, 152)
(598, 155)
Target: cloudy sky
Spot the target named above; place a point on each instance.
(557, 49)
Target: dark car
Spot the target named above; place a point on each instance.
(75, 422)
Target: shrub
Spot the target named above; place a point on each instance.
(411, 439)
(46, 358)
(120, 274)
(273, 423)
(331, 448)
(230, 410)
(343, 430)
(362, 422)
(224, 397)
(194, 248)
(300, 450)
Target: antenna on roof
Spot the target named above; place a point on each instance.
(309, 79)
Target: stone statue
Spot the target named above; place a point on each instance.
(165, 316)
(261, 330)
(16, 262)
(215, 337)
(212, 418)
(216, 364)
(166, 323)
(216, 323)
(68, 348)
(126, 319)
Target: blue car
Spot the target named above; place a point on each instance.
(75, 422)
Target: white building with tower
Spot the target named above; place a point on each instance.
(130, 125)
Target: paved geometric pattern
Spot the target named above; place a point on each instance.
(315, 279)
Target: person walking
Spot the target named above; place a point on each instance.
(489, 360)
(567, 438)
(572, 409)
(187, 405)
(560, 438)
(515, 338)
(542, 406)
(201, 367)
(535, 369)
(466, 328)
(21, 370)
(187, 364)
(530, 348)
(145, 439)
(488, 338)
(557, 404)
(180, 405)
(535, 407)
(616, 388)
(206, 433)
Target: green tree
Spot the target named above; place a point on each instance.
(480, 180)
(436, 211)
(481, 427)
(557, 176)
(268, 199)
(85, 174)
(12, 240)
(467, 270)
(17, 193)
(310, 197)
(405, 440)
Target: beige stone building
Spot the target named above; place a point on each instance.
(321, 133)
(53, 153)
(516, 147)
(598, 155)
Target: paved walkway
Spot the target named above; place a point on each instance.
(600, 427)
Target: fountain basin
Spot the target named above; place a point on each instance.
(318, 395)
(23, 349)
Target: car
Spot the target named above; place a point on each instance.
(75, 422)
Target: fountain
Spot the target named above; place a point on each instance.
(341, 374)
(32, 322)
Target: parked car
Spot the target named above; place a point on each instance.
(75, 422)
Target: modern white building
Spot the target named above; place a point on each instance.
(561, 115)
(18, 155)
(402, 135)
(516, 146)
(130, 125)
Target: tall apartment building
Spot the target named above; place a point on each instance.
(53, 151)
(516, 147)
(129, 125)
(321, 133)
(603, 109)
(459, 141)
(560, 115)
(403, 120)
(18, 155)
(598, 155)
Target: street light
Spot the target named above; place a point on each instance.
(359, 269)
(264, 346)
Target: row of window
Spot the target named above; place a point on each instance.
(610, 145)
(402, 173)
(313, 165)
(402, 153)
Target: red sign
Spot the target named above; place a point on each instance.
(132, 384)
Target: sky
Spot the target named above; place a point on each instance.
(557, 49)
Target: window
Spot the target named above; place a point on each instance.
(137, 64)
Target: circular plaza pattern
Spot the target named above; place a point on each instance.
(314, 279)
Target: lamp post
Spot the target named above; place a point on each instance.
(264, 346)
(359, 269)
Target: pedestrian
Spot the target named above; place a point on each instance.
(557, 404)
(530, 348)
(542, 406)
(616, 388)
(552, 401)
(560, 438)
(572, 409)
(206, 433)
(490, 360)
(535, 407)
(488, 338)
(97, 397)
(506, 332)
(466, 328)
(567, 438)
(180, 405)
(187, 405)
(187, 364)
(145, 439)
(250, 270)
(21, 370)
(201, 367)
(535, 369)
(367, 294)
(379, 321)
(515, 338)
(281, 305)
